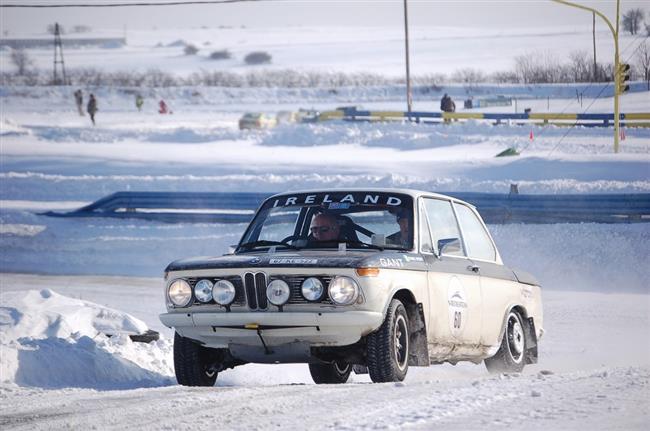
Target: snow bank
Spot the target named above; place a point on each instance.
(53, 341)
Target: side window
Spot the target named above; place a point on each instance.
(425, 233)
(477, 240)
(444, 229)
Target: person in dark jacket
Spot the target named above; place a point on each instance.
(92, 108)
(446, 104)
(79, 100)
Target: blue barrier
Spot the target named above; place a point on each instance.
(634, 119)
(192, 207)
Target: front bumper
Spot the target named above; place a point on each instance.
(220, 330)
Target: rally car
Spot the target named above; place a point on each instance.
(371, 281)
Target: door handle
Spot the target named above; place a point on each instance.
(474, 268)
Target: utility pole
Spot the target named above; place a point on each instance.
(594, 37)
(617, 72)
(409, 98)
(58, 55)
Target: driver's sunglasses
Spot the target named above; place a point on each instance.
(320, 229)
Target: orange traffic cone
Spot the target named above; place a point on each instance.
(531, 136)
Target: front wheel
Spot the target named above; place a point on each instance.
(330, 373)
(510, 358)
(194, 364)
(388, 347)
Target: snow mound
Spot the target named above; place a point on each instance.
(52, 341)
(177, 43)
(9, 128)
(44, 313)
(21, 229)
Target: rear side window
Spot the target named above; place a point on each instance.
(476, 238)
(443, 225)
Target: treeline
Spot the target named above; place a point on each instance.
(530, 68)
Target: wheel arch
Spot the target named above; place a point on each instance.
(529, 327)
(418, 345)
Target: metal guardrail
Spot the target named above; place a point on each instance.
(191, 207)
(635, 119)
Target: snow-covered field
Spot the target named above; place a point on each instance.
(65, 283)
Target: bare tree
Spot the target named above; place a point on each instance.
(539, 68)
(581, 66)
(21, 60)
(643, 62)
(632, 20)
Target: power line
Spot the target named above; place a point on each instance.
(602, 90)
(606, 85)
(86, 5)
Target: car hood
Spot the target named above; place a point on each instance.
(305, 259)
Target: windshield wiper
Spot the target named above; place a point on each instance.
(363, 244)
(266, 243)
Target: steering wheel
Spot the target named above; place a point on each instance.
(290, 238)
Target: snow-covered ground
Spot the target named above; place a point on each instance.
(66, 283)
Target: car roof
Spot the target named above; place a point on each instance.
(411, 192)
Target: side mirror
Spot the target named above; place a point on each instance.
(232, 248)
(449, 246)
(378, 239)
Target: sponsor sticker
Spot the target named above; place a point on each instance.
(457, 303)
(389, 262)
(293, 261)
(338, 206)
(413, 258)
(339, 199)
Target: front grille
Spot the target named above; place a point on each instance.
(255, 286)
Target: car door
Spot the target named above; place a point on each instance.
(499, 287)
(454, 287)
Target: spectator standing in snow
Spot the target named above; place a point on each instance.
(446, 104)
(92, 108)
(139, 101)
(163, 107)
(79, 100)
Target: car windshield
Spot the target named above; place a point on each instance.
(363, 220)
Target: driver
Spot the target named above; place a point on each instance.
(324, 227)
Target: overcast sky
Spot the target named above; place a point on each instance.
(475, 13)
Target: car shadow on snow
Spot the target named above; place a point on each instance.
(55, 363)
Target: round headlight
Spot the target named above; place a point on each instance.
(179, 293)
(203, 290)
(223, 292)
(312, 289)
(343, 290)
(278, 292)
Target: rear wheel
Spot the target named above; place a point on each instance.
(510, 358)
(388, 347)
(194, 364)
(330, 373)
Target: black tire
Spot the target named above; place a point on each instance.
(511, 356)
(388, 347)
(330, 373)
(191, 363)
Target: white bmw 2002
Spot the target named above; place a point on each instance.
(373, 281)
